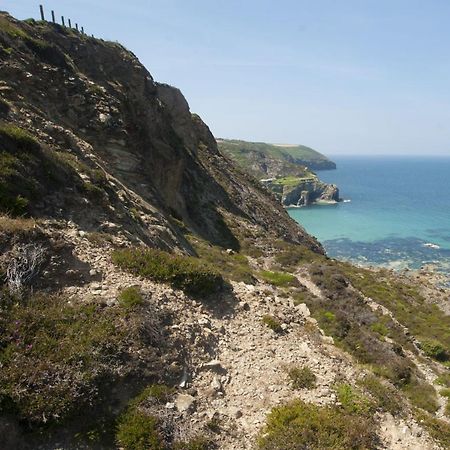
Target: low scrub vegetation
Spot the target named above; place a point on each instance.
(289, 256)
(302, 377)
(16, 225)
(27, 171)
(386, 397)
(186, 273)
(434, 349)
(130, 298)
(143, 426)
(344, 315)
(138, 431)
(421, 394)
(272, 322)
(299, 425)
(279, 279)
(231, 265)
(424, 320)
(437, 428)
(352, 400)
(52, 354)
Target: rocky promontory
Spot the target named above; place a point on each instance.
(302, 191)
(285, 170)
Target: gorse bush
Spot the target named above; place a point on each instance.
(136, 428)
(299, 425)
(182, 272)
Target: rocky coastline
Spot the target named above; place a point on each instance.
(298, 192)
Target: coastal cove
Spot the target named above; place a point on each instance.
(396, 213)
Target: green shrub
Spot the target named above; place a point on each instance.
(352, 400)
(155, 392)
(138, 431)
(299, 425)
(289, 256)
(130, 297)
(12, 30)
(444, 379)
(434, 349)
(21, 138)
(386, 397)
(186, 273)
(232, 266)
(421, 395)
(272, 322)
(278, 278)
(302, 377)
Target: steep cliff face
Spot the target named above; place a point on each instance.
(133, 154)
(295, 191)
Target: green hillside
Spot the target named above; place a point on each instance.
(247, 153)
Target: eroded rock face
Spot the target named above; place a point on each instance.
(306, 192)
(93, 104)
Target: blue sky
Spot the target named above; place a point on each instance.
(344, 77)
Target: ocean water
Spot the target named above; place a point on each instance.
(396, 212)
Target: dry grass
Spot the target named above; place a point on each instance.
(11, 225)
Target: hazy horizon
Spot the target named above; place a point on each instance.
(353, 78)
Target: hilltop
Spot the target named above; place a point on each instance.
(270, 160)
(155, 296)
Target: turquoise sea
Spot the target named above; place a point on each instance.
(396, 212)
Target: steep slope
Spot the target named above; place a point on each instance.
(271, 160)
(109, 342)
(121, 139)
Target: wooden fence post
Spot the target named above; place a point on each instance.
(62, 21)
(76, 26)
(53, 16)
(41, 9)
(70, 24)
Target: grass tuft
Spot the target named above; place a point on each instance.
(279, 279)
